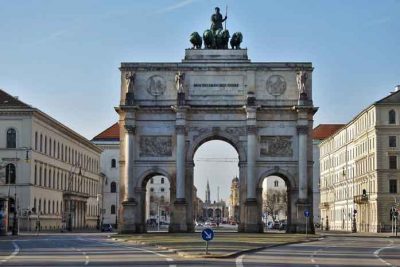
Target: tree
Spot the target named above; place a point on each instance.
(274, 202)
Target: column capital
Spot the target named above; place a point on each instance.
(302, 129)
(180, 129)
(251, 129)
(131, 129)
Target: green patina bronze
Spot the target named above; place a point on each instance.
(216, 37)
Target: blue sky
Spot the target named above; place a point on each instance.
(63, 56)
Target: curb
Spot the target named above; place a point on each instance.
(223, 256)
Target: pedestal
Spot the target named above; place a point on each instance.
(129, 225)
(178, 222)
(252, 222)
(299, 225)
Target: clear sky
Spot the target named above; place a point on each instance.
(63, 56)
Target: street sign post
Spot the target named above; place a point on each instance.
(207, 234)
(306, 214)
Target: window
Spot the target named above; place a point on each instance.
(152, 189)
(276, 183)
(152, 181)
(50, 146)
(392, 141)
(393, 186)
(36, 141)
(162, 189)
(162, 180)
(392, 162)
(113, 186)
(11, 138)
(113, 163)
(112, 209)
(10, 174)
(35, 174)
(41, 143)
(45, 145)
(392, 117)
(162, 199)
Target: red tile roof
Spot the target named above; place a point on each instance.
(109, 134)
(9, 101)
(323, 131)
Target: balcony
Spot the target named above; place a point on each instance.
(361, 199)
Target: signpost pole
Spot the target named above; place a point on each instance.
(306, 227)
(206, 247)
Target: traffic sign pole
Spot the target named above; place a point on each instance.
(206, 247)
(207, 234)
(306, 215)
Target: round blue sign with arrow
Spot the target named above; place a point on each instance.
(307, 213)
(207, 234)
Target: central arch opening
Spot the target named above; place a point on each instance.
(274, 196)
(217, 186)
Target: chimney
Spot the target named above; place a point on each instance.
(397, 88)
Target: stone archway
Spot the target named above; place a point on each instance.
(168, 110)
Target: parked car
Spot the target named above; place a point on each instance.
(106, 228)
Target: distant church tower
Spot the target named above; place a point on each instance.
(208, 201)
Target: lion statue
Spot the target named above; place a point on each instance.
(222, 39)
(196, 40)
(236, 39)
(209, 39)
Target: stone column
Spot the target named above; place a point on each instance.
(303, 183)
(180, 163)
(251, 153)
(129, 162)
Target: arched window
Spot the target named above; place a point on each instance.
(11, 138)
(113, 188)
(10, 174)
(112, 209)
(392, 117)
(162, 180)
(113, 163)
(276, 183)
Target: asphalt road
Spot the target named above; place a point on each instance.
(330, 251)
(99, 250)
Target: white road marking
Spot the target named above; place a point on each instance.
(12, 255)
(239, 261)
(376, 254)
(135, 248)
(84, 254)
(312, 257)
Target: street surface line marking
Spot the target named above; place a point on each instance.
(84, 254)
(239, 261)
(376, 253)
(13, 254)
(140, 249)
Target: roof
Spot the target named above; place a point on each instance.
(109, 134)
(393, 98)
(9, 101)
(324, 131)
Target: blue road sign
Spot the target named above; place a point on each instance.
(307, 213)
(207, 234)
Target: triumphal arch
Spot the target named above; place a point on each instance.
(167, 110)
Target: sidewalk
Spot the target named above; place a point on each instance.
(224, 245)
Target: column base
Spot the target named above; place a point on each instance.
(129, 224)
(299, 224)
(178, 222)
(252, 223)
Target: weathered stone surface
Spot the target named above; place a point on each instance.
(276, 146)
(155, 146)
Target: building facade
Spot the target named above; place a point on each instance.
(158, 199)
(108, 140)
(359, 167)
(50, 174)
(321, 132)
(233, 207)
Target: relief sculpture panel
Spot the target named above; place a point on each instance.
(155, 146)
(276, 146)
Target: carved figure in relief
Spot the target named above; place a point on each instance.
(156, 85)
(179, 79)
(276, 146)
(302, 77)
(130, 81)
(276, 85)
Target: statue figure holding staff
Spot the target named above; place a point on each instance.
(216, 21)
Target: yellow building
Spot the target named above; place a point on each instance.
(359, 167)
